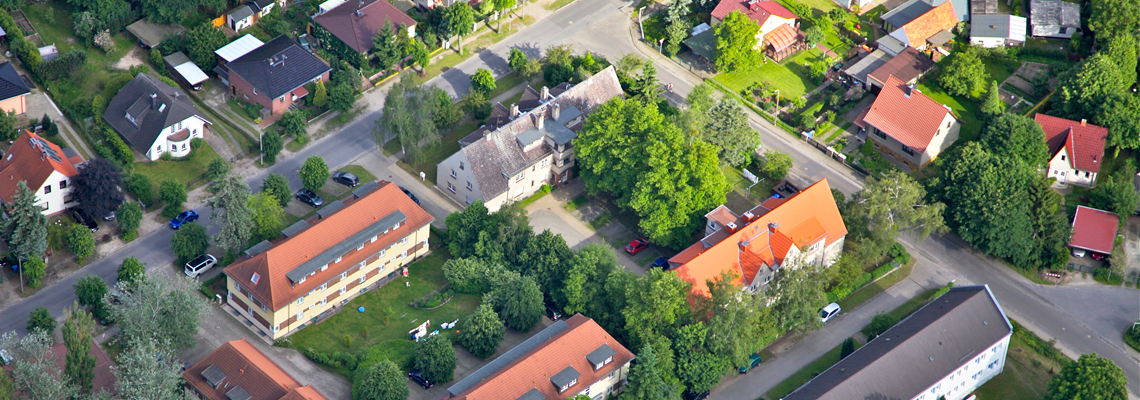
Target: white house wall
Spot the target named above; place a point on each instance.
(1060, 169)
(161, 145)
(56, 201)
(605, 386)
(456, 186)
(987, 42)
(972, 374)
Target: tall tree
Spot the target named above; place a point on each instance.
(736, 43)
(36, 370)
(386, 47)
(406, 106)
(268, 216)
(1017, 136)
(518, 300)
(655, 304)
(502, 6)
(131, 270)
(200, 41)
(217, 169)
(1121, 115)
(1086, 89)
(464, 228)
(516, 60)
(277, 185)
(90, 289)
(435, 358)
(172, 11)
(965, 75)
(799, 295)
(890, 204)
(40, 319)
(96, 188)
(992, 106)
(148, 370)
(314, 173)
(483, 81)
(1114, 18)
(645, 382)
(727, 128)
(584, 285)
(190, 241)
(293, 124)
(646, 88)
(342, 97)
(1116, 194)
(698, 369)
(79, 365)
(460, 19)
(164, 312)
(1090, 377)
(271, 145)
(173, 194)
(80, 242)
(738, 320)
(26, 227)
(420, 55)
(482, 331)
(130, 217)
(546, 258)
(383, 382)
(230, 205)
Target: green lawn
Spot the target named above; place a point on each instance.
(448, 145)
(790, 77)
(820, 6)
(815, 368)
(1026, 375)
(367, 329)
(189, 172)
(867, 292)
(908, 308)
(362, 174)
(999, 71)
(964, 109)
(505, 83)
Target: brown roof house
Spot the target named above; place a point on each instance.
(526, 146)
(1076, 149)
(920, 23)
(908, 127)
(44, 167)
(907, 67)
(571, 357)
(319, 264)
(239, 371)
(354, 22)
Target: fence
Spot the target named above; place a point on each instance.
(1080, 268)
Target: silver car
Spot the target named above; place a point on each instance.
(828, 312)
(199, 265)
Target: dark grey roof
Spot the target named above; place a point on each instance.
(295, 228)
(330, 255)
(910, 10)
(213, 375)
(240, 13)
(258, 248)
(331, 208)
(143, 97)
(868, 64)
(600, 354)
(238, 393)
(981, 7)
(258, 5)
(565, 377)
(510, 356)
(365, 189)
(998, 26)
(11, 85)
(916, 353)
(533, 394)
(278, 67)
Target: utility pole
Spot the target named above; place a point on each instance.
(261, 148)
(640, 24)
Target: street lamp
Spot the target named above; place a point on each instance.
(640, 24)
(777, 101)
(260, 148)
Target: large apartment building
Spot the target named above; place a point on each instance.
(526, 146)
(322, 263)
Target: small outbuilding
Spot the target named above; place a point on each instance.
(185, 71)
(997, 30)
(150, 34)
(1094, 231)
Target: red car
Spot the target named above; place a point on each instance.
(636, 246)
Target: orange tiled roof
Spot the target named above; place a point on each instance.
(29, 160)
(926, 25)
(534, 369)
(778, 225)
(757, 10)
(912, 120)
(276, 290)
(244, 365)
(1083, 141)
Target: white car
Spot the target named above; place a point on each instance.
(828, 312)
(199, 265)
(1078, 253)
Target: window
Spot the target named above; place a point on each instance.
(568, 385)
(343, 290)
(469, 186)
(47, 189)
(62, 185)
(404, 240)
(302, 279)
(544, 162)
(360, 247)
(993, 364)
(450, 188)
(184, 146)
(520, 177)
(880, 133)
(381, 253)
(461, 165)
(324, 287)
(324, 267)
(301, 315)
(975, 377)
(337, 260)
(532, 183)
(255, 92)
(908, 150)
(1062, 157)
(362, 278)
(255, 278)
(343, 275)
(374, 239)
(301, 300)
(585, 392)
(1086, 174)
(276, 328)
(468, 199)
(611, 375)
(324, 301)
(453, 175)
(264, 308)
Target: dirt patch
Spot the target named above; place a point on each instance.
(132, 58)
(1018, 82)
(1029, 70)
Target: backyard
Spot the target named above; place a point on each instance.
(790, 77)
(189, 172)
(352, 331)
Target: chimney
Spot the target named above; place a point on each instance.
(555, 112)
(540, 120)
(154, 100)
(909, 89)
(753, 5)
(730, 227)
(749, 216)
(1084, 122)
(514, 110)
(773, 226)
(545, 94)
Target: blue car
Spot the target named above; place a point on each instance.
(186, 217)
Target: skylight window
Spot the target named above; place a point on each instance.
(255, 278)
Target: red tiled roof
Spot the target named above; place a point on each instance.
(782, 37)
(758, 11)
(778, 225)
(104, 378)
(357, 30)
(246, 366)
(926, 25)
(29, 162)
(907, 66)
(1094, 230)
(274, 287)
(534, 369)
(1083, 141)
(912, 120)
(859, 120)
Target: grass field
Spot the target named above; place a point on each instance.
(361, 174)
(867, 292)
(367, 329)
(816, 367)
(1026, 375)
(188, 172)
(791, 77)
(964, 109)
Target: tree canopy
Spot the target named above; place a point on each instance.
(1114, 18)
(26, 228)
(1090, 377)
(36, 370)
(482, 331)
(158, 311)
(736, 43)
(483, 81)
(406, 107)
(435, 358)
(965, 75)
(1016, 136)
(189, 241)
(172, 11)
(277, 185)
(799, 295)
(231, 212)
(96, 188)
(518, 300)
(645, 382)
(314, 173)
(384, 381)
(201, 41)
(148, 371)
(79, 363)
(727, 127)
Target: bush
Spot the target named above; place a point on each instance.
(879, 324)
(62, 66)
(898, 253)
(140, 186)
(1105, 276)
(1132, 336)
(883, 270)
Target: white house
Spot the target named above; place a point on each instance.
(42, 166)
(945, 350)
(155, 118)
(1076, 149)
(991, 31)
(768, 14)
(240, 18)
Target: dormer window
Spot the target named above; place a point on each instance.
(360, 247)
(337, 260)
(374, 239)
(601, 356)
(132, 119)
(565, 379)
(324, 267)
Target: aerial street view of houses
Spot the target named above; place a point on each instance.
(570, 199)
